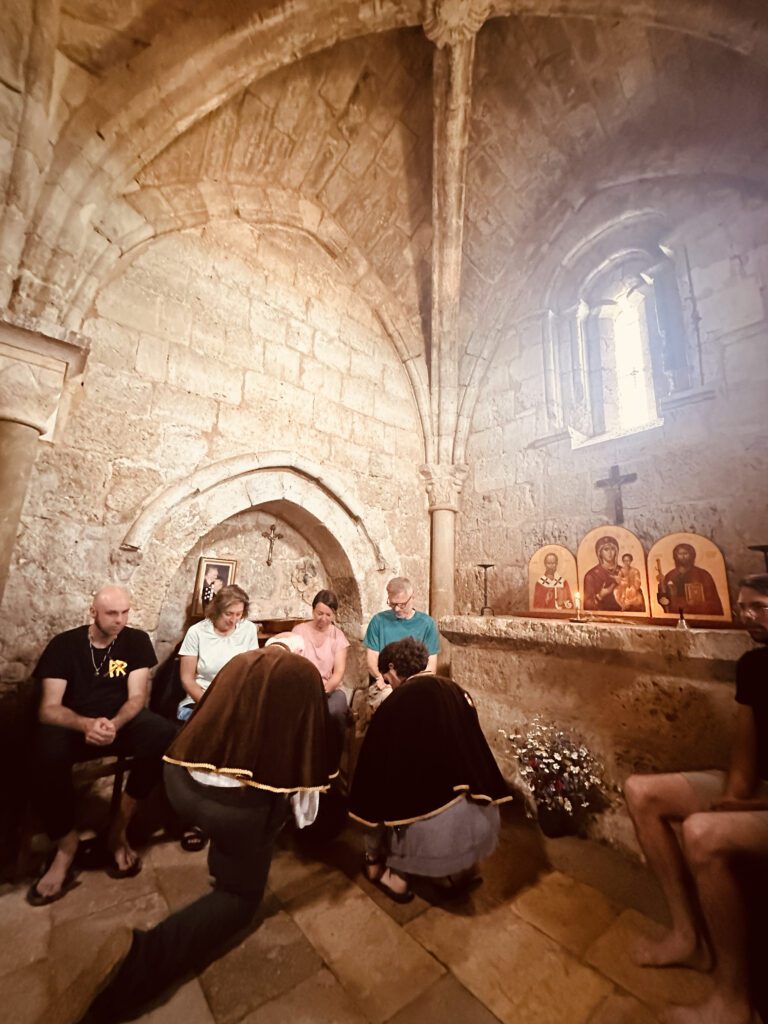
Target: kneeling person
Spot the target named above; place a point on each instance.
(426, 783)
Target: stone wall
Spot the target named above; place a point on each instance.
(703, 470)
(284, 589)
(207, 346)
(642, 698)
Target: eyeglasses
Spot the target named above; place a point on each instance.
(754, 609)
(394, 605)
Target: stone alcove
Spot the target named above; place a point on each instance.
(228, 505)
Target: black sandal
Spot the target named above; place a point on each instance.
(36, 899)
(375, 862)
(194, 839)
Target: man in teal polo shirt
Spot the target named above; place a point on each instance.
(399, 621)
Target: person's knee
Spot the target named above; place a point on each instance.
(705, 839)
(645, 795)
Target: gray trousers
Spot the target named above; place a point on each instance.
(243, 824)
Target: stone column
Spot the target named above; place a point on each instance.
(444, 484)
(36, 372)
(452, 98)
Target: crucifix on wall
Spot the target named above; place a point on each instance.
(614, 482)
(271, 535)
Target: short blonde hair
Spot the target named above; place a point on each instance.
(224, 599)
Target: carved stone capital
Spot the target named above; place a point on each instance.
(444, 483)
(36, 368)
(29, 393)
(449, 22)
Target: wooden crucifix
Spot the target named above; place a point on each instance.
(614, 483)
(272, 535)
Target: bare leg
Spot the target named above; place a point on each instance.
(125, 856)
(653, 801)
(53, 879)
(711, 843)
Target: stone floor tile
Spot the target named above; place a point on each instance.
(142, 911)
(517, 862)
(654, 986)
(619, 1008)
(626, 882)
(376, 962)
(293, 873)
(399, 912)
(569, 912)
(269, 962)
(187, 1004)
(25, 994)
(182, 883)
(170, 854)
(24, 931)
(319, 998)
(447, 1000)
(98, 891)
(511, 967)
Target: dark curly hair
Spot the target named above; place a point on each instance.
(408, 656)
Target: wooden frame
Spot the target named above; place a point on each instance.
(206, 584)
(552, 594)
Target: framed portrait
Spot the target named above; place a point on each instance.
(552, 581)
(212, 575)
(612, 575)
(687, 571)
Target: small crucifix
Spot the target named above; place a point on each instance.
(614, 483)
(272, 535)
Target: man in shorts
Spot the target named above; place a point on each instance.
(723, 817)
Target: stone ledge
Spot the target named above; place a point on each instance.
(603, 641)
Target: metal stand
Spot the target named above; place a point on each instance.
(764, 549)
(485, 566)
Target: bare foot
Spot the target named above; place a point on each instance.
(53, 879)
(672, 950)
(716, 1010)
(394, 881)
(125, 856)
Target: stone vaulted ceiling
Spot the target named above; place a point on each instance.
(332, 103)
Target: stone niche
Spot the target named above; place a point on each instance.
(643, 698)
(282, 590)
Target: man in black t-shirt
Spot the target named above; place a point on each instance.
(94, 690)
(724, 817)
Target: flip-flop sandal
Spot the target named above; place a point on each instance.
(36, 899)
(194, 839)
(396, 897)
(130, 872)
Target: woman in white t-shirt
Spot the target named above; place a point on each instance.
(326, 647)
(210, 644)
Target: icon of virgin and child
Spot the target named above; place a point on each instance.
(613, 585)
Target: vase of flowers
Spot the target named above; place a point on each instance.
(562, 778)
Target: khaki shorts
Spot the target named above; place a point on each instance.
(709, 786)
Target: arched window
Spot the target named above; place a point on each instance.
(620, 349)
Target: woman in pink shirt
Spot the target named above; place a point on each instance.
(326, 647)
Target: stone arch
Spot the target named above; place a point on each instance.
(356, 548)
(141, 108)
(190, 207)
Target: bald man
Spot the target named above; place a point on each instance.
(95, 683)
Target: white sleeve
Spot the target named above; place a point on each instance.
(191, 643)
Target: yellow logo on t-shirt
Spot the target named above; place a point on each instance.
(117, 668)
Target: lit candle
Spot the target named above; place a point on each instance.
(577, 600)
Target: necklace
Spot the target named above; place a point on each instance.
(97, 668)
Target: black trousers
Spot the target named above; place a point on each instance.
(243, 824)
(146, 737)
